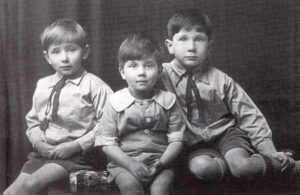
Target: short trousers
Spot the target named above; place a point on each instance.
(232, 138)
(95, 159)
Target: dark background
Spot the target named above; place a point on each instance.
(255, 41)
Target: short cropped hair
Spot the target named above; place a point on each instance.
(137, 46)
(189, 18)
(61, 31)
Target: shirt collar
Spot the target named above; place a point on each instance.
(57, 77)
(123, 99)
(200, 75)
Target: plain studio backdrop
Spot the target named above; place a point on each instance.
(255, 41)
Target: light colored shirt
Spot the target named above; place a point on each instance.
(225, 104)
(141, 128)
(80, 108)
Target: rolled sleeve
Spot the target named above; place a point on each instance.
(176, 125)
(107, 132)
(106, 141)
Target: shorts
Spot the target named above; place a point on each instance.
(232, 138)
(94, 159)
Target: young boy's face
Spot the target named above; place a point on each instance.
(141, 76)
(189, 47)
(66, 58)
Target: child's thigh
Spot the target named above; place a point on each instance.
(127, 182)
(163, 180)
(49, 173)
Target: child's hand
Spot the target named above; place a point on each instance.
(139, 170)
(65, 150)
(283, 158)
(44, 148)
(156, 168)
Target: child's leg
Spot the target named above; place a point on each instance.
(162, 183)
(128, 184)
(207, 167)
(43, 177)
(17, 186)
(244, 165)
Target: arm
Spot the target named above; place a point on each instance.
(36, 127)
(99, 100)
(251, 120)
(248, 116)
(176, 128)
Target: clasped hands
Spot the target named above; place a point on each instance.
(144, 173)
(60, 151)
(284, 158)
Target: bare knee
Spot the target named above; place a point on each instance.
(129, 185)
(241, 168)
(205, 168)
(162, 183)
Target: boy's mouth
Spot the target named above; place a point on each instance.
(191, 57)
(66, 67)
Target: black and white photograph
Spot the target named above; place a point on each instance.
(140, 97)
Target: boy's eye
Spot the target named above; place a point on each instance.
(131, 64)
(55, 51)
(149, 65)
(71, 48)
(182, 39)
(200, 39)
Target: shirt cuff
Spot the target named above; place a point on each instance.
(175, 137)
(85, 143)
(106, 141)
(266, 147)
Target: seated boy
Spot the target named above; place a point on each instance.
(225, 130)
(141, 130)
(66, 108)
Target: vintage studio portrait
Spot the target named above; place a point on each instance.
(149, 97)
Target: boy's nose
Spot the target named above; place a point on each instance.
(64, 57)
(141, 70)
(191, 45)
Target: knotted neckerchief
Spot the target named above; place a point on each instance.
(56, 92)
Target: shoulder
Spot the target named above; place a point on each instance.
(167, 66)
(95, 82)
(45, 81)
(216, 75)
(165, 99)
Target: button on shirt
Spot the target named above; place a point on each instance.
(80, 107)
(225, 104)
(141, 128)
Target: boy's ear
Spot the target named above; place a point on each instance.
(121, 70)
(86, 52)
(45, 54)
(169, 45)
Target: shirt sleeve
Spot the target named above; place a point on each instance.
(248, 116)
(107, 133)
(176, 125)
(35, 130)
(99, 99)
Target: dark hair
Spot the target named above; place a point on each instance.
(138, 45)
(63, 30)
(189, 18)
